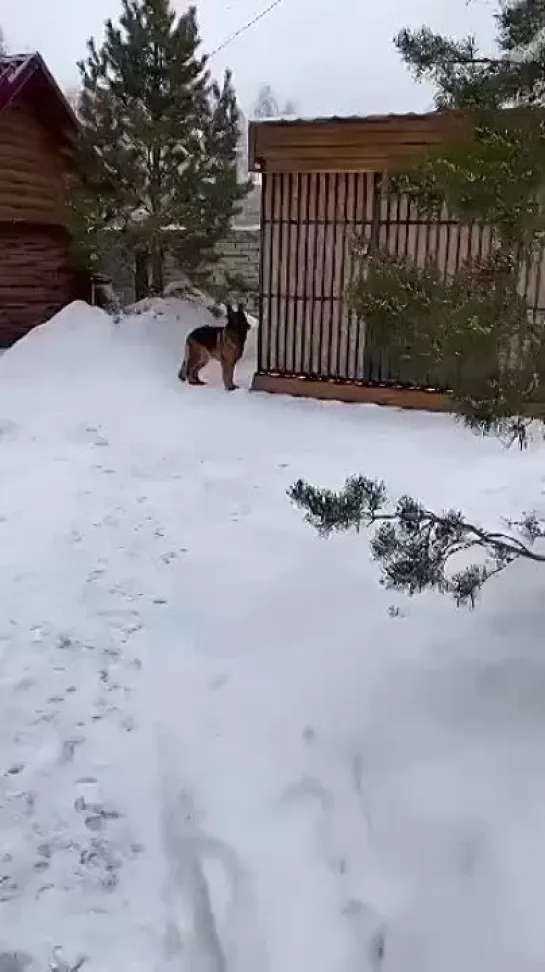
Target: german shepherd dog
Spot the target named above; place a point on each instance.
(224, 344)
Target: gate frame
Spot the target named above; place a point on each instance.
(372, 144)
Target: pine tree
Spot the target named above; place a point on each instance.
(218, 205)
(149, 111)
(478, 319)
(494, 176)
(266, 105)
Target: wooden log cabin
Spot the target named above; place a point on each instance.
(37, 136)
(322, 183)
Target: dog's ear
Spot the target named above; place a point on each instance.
(229, 309)
(241, 308)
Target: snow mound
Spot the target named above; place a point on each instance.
(221, 750)
(83, 340)
(74, 335)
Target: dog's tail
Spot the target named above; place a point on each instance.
(182, 374)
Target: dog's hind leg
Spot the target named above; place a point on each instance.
(198, 358)
(182, 374)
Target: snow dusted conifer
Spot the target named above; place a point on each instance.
(224, 191)
(266, 105)
(148, 108)
(477, 322)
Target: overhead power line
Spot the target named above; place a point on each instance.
(245, 27)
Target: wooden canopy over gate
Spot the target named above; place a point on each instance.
(322, 183)
(374, 143)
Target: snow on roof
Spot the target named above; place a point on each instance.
(347, 119)
(10, 65)
(15, 71)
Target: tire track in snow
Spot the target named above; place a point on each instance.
(196, 938)
(364, 925)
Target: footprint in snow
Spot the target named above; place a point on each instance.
(218, 682)
(14, 961)
(7, 428)
(15, 769)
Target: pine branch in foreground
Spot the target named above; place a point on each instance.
(414, 546)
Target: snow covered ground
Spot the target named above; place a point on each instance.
(220, 751)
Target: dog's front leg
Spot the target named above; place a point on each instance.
(227, 371)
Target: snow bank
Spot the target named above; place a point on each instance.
(220, 751)
(71, 339)
(83, 343)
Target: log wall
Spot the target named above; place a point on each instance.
(35, 278)
(31, 170)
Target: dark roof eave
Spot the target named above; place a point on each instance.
(18, 71)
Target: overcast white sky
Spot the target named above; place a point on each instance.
(331, 56)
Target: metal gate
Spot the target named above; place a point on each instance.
(308, 223)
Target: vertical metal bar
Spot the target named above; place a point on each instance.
(409, 206)
(272, 178)
(458, 228)
(322, 195)
(296, 366)
(369, 353)
(527, 269)
(480, 240)
(448, 238)
(305, 331)
(342, 277)
(334, 325)
(361, 326)
(537, 288)
(326, 326)
(443, 224)
(287, 184)
(397, 224)
(285, 279)
(379, 198)
(279, 299)
(315, 372)
(329, 244)
(427, 379)
(263, 243)
(427, 238)
(457, 250)
(351, 320)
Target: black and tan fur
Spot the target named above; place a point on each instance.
(224, 344)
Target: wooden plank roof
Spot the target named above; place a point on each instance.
(350, 144)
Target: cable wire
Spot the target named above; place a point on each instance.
(245, 27)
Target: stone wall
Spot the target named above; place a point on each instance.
(240, 257)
